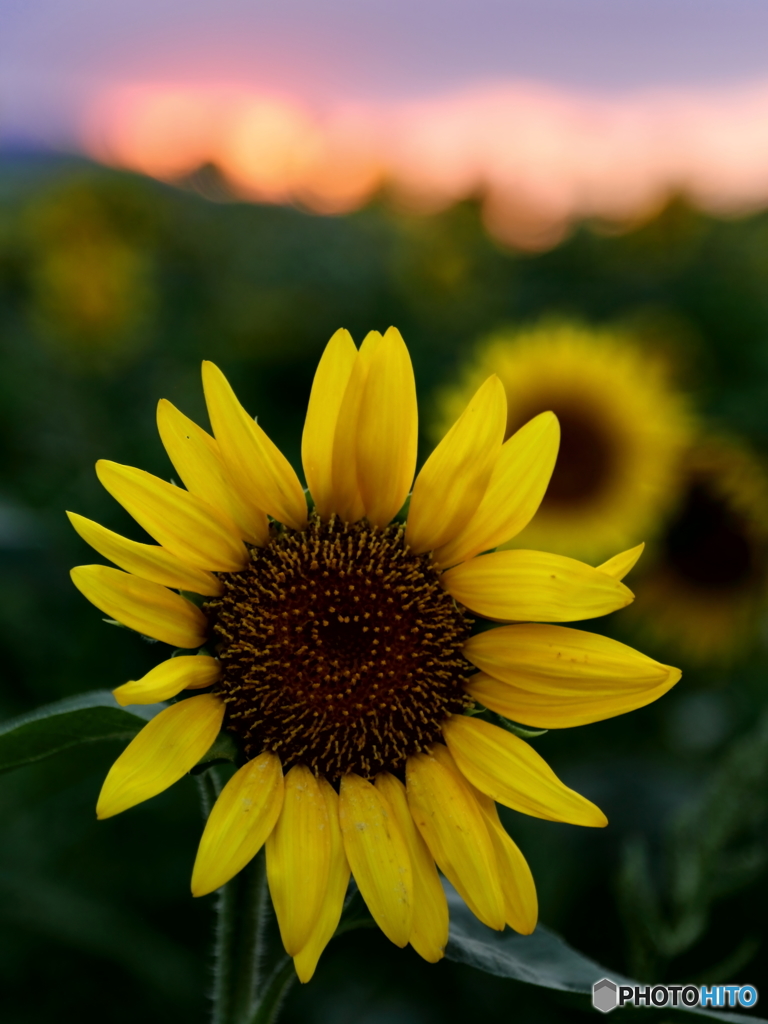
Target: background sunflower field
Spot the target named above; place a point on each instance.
(113, 288)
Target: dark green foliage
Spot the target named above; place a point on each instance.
(715, 845)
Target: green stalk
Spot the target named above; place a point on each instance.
(251, 973)
(273, 993)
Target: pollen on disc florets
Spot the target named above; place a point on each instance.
(340, 649)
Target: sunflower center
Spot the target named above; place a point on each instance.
(340, 650)
(709, 544)
(586, 460)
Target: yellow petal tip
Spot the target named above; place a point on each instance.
(303, 972)
(675, 675)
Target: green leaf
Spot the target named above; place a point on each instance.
(86, 718)
(540, 959)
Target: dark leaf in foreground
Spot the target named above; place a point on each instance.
(86, 718)
(542, 959)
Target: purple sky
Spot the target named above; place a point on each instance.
(55, 54)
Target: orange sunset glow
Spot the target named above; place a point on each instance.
(540, 157)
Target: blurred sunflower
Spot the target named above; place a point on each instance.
(344, 652)
(623, 429)
(705, 591)
(91, 291)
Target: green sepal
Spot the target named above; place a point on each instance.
(187, 652)
(121, 625)
(402, 515)
(477, 709)
(224, 749)
(480, 625)
(519, 730)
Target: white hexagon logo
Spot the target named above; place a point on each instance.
(604, 995)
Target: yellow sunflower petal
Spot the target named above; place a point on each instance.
(521, 905)
(429, 933)
(621, 564)
(443, 756)
(370, 345)
(165, 750)
(455, 832)
(347, 501)
(328, 388)
(299, 858)
(197, 459)
(517, 485)
(553, 711)
(454, 479)
(260, 470)
(559, 661)
(347, 498)
(146, 560)
(146, 607)
(338, 879)
(169, 678)
(186, 525)
(387, 430)
(534, 586)
(378, 856)
(240, 821)
(508, 770)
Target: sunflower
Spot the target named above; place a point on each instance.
(91, 294)
(706, 590)
(344, 659)
(623, 431)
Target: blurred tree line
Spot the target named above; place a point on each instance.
(112, 290)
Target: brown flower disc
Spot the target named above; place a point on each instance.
(340, 650)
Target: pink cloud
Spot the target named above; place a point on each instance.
(540, 157)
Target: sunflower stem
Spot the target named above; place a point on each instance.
(223, 954)
(274, 992)
(247, 954)
(251, 974)
(208, 786)
(273, 969)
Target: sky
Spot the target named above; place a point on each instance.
(551, 104)
(55, 54)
